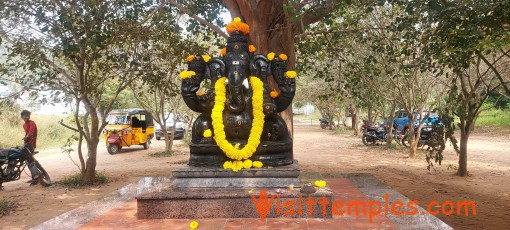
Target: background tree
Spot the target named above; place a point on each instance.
(471, 40)
(81, 47)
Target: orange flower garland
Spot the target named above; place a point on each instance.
(238, 25)
(252, 48)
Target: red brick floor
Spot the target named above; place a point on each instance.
(124, 217)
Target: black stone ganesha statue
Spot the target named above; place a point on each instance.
(239, 112)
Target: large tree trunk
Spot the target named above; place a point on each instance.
(270, 31)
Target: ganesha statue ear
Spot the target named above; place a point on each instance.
(259, 66)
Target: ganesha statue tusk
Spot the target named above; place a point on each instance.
(239, 112)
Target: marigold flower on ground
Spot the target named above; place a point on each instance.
(283, 57)
(257, 164)
(291, 74)
(207, 133)
(320, 183)
(193, 225)
(274, 94)
(270, 56)
(252, 48)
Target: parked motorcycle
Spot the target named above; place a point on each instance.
(326, 123)
(12, 164)
(430, 135)
(374, 134)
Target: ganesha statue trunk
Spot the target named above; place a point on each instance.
(239, 126)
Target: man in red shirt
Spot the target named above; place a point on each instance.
(30, 141)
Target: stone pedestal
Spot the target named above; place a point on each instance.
(233, 203)
(214, 177)
(207, 192)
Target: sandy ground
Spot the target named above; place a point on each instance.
(317, 151)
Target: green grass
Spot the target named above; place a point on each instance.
(494, 117)
(162, 154)
(75, 181)
(344, 131)
(50, 134)
(6, 207)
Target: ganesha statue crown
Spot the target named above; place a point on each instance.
(239, 112)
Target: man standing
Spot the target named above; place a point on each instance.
(30, 143)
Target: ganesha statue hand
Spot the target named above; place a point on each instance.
(239, 119)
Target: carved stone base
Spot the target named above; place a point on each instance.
(215, 177)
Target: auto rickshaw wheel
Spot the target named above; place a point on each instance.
(147, 144)
(113, 148)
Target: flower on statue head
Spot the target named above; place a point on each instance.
(223, 51)
(193, 225)
(207, 133)
(270, 56)
(291, 74)
(283, 57)
(238, 25)
(252, 48)
(320, 183)
(227, 165)
(257, 164)
(274, 94)
(206, 58)
(190, 58)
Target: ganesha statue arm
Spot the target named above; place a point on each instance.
(286, 84)
(199, 69)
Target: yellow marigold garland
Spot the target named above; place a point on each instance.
(257, 164)
(187, 74)
(247, 164)
(207, 133)
(206, 58)
(257, 125)
(270, 56)
(291, 74)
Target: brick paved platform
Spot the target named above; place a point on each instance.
(345, 187)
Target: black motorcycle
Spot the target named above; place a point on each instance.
(326, 123)
(431, 135)
(12, 163)
(374, 134)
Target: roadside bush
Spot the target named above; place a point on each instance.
(6, 207)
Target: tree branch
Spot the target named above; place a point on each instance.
(199, 19)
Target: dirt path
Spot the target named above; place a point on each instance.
(318, 151)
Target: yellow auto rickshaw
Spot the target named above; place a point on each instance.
(128, 127)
